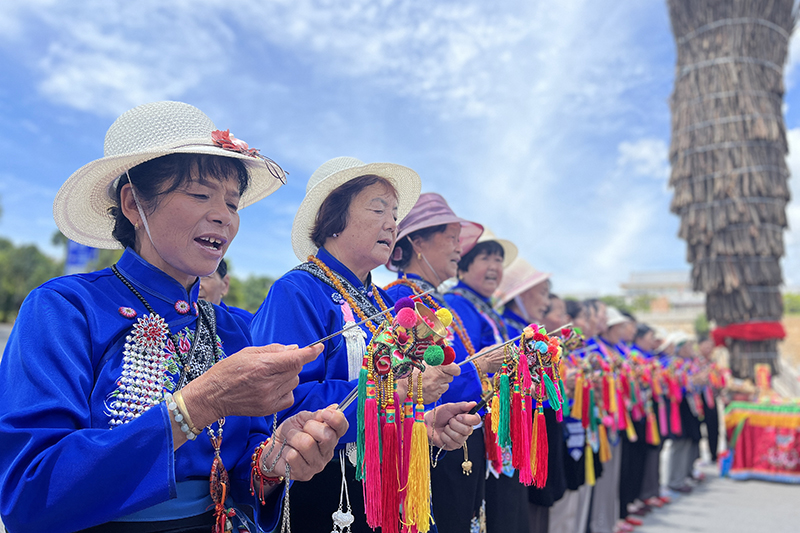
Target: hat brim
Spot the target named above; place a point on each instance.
(470, 233)
(510, 250)
(526, 284)
(81, 205)
(405, 181)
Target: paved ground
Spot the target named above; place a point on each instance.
(727, 506)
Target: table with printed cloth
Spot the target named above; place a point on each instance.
(764, 441)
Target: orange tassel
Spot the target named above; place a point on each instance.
(631, 431)
(605, 447)
(577, 404)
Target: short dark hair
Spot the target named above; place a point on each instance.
(574, 307)
(222, 268)
(642, 330)
(487, 247)
(162, 175)
(332, 215)
(405, 245)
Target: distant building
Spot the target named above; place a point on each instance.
(666, 291)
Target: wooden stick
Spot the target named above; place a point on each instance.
(481, 354)
(332, 335)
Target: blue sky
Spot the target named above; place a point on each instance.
(546, 121)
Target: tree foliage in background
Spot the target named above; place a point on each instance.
(791, 303)
(618, 302)
(248, 293)
(22, 269)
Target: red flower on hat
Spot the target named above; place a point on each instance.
(226, 141)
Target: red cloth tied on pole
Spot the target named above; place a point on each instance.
(749, 331)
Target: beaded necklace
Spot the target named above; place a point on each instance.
(219, 480)
(346, 295)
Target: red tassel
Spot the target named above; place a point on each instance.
(622, 417)
(675, 417)
(606, 394)
(585, 414)
(490, 441)
(372, 459)
(390, 489)
(542, 449)
(516, 428)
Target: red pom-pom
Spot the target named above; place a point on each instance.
(449, 355)
(538, 337)
(404, 303)
(407, 318)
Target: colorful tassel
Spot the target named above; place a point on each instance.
(417, 505)
(540, 428)
(504, 427)
(586, 411)
(495, 412)
(675, 418)
(613, 405)
(577, 404)
(390, 487)
(408, 428)
(516, 427)
(362, 397)
(552, 392)
(651, 430)
(493, 454)
(590, 480)
(372, 458)
(605, 447)
(630, 430)
(663, 426)
(592, 414)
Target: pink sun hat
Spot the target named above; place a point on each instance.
(431, 210)
(518, 277)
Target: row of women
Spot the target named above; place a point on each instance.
(128, 404)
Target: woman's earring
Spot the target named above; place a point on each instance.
(335, 235)
(419, 256)
(136, 226)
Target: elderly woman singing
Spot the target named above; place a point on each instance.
(120, 391)
(345, 227)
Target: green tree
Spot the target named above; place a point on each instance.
(791, 303)
(616, 301)
(22, 269)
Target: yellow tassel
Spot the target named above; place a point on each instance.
(605, 448)
(419, 480)
(495, 413)
(589, 466)
(631, 431)
(612, 394)
(577, 405)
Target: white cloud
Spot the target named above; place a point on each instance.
(645, 157)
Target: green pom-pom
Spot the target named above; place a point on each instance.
(434, 355)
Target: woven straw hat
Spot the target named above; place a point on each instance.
(139, 135)
(335, 173)
(518, 277)
(615, 317)
(510, 250)
(432, 210)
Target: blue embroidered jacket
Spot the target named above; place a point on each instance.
(465, 387)
(480, 330)
(62, 467)
(301, 309)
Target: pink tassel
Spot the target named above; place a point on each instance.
(675, 417)
(663, 427)
(390, 486)
(372, 459)
(542, 450)
(516, 428)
